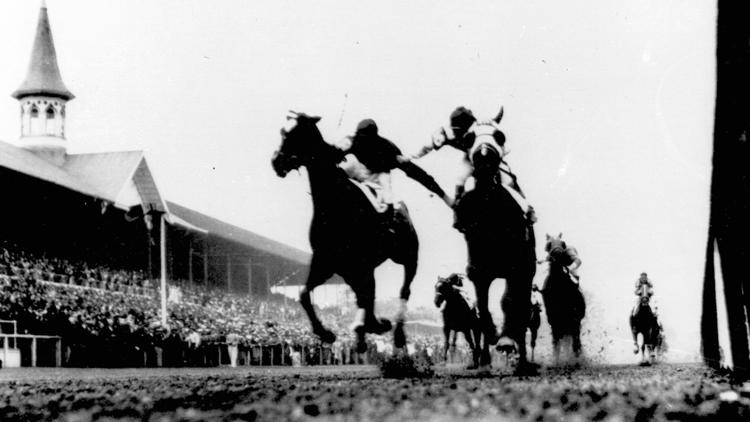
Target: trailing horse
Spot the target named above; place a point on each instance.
(644, 321)
(458, 316)
(347, 235)
(500, 242)
(563, 300)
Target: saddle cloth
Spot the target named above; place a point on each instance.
(374, 193)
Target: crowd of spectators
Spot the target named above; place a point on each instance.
(96, 309)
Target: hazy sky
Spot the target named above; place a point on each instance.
(609, 113)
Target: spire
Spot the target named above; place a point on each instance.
(43, 76)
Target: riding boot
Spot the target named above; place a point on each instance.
(459, 194)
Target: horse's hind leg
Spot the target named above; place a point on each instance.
(516, 305)
(410, 271)
(447, 334)
(318, 275)
(577, 340)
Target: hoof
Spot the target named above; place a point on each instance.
(526, 369)
(645, 363)
(399, 336)
(380, 326)
(635, 351)
(325, 335)
(506, 345)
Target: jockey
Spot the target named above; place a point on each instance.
(458, 286)
(570, 260)
(369, 158)
(644, 287)
(462, 120)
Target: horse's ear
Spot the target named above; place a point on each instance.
(548, 236)
(499, 115)
(560, 235)
(315, 119)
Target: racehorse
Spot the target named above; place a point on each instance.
(563, 300)
(458, 316)
(643, 321)
(348, 236)
(500, 243)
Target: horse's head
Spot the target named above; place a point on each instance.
(488, 147)
(297, 136)
(555, 246)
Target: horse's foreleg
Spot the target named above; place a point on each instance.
(446, 335)
(634, 331)
(317, 276)
(488, 329)
(469, 336)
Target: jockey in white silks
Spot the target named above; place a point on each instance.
(644, 287)
(462, 135)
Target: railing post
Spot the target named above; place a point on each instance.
(58, 352)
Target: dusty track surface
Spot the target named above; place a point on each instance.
(612, 393)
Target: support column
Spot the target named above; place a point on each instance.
(190, 263)
(33, 351)
(58, 352)
(249, 276)
(205, 263)
(163, 248)
(229, 272)
(268, 278)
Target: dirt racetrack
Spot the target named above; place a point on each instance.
(609, 393)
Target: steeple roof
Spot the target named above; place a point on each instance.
(43, 76)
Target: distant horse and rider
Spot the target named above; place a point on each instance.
(648, 335)
(563, 299)
(460, 315)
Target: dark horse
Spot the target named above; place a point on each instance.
(563, 299)
(500, 243)
(458, 316)
(643, 321)
(348, 237)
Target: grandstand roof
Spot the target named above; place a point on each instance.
(239, 235)
(26, 162)
(111, 172)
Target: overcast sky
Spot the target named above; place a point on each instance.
(608, 113)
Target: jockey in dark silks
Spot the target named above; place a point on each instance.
(370, 157)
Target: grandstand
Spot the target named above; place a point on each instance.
(89, 248)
